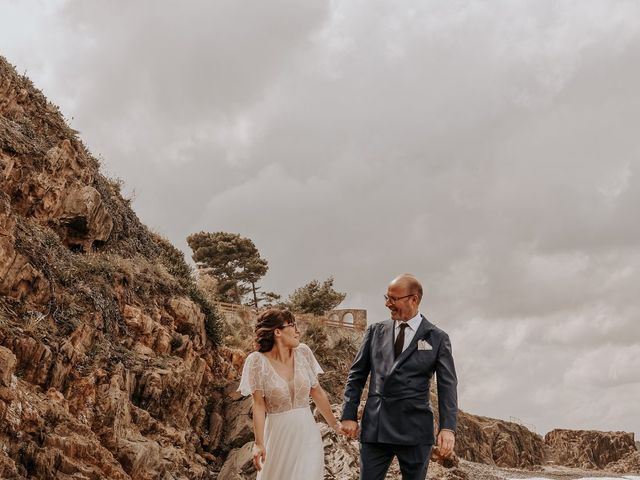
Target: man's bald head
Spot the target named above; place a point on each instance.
(410, 283)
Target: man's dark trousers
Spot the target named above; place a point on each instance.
(375, 459)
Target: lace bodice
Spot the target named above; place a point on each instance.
(280, 395)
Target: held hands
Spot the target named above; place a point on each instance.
(350, 428)
(338, 428)
(259, 454)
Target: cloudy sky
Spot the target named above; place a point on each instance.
(491, 148)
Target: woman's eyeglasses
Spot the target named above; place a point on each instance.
(289, 325)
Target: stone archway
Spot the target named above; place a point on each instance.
(349, 318)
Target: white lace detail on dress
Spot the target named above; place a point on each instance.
(259, 374)
(251, 375)
(313, 368)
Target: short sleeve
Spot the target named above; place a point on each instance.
(252, 376)
(312, 366)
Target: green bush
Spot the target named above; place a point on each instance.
(212, 320)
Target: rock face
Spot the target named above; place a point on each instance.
(630, 463)
(589, 449)
(46, 171)
(19, 280)
(7, 366)
(239, 464)
(53, 183)
(497, 442)
(109, 357)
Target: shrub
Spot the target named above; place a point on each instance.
(212, 320)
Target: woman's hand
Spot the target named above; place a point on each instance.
(258, 451)
(337, 427)
(322, 402)
(259, 455)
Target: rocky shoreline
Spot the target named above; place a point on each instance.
(341, 457)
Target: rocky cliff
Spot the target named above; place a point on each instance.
(498, 442)
(589, 449)
(109, 358)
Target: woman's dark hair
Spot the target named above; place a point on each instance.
(266, 324)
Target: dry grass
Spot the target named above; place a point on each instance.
(6, 313)
(238, 330)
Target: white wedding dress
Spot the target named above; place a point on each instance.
(292, 439)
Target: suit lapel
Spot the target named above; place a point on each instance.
(423, 328)
(386, 344)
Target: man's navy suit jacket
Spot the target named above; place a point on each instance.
(398, 410)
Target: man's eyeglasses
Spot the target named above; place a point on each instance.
(389, 298)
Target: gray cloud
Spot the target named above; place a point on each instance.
(488, 147)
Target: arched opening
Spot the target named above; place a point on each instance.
(348, 318)
(334, 318)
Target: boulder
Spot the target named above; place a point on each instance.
(239, 424)
(7, 366)
(239, 464)
(151, 337)
(189, 320)
(630, 463)
(85, 218)
(588, 449)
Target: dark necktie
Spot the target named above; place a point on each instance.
(397, 347)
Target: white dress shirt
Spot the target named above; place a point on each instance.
(409, 332)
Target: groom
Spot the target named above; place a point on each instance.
(400, 356)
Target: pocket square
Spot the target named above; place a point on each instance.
(424, 345)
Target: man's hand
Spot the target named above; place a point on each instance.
(350, 428)
(259, 455)
(446, 441)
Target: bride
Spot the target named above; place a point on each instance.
(280, 376)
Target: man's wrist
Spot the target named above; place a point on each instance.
(447, 430)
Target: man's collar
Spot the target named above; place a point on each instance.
(414, 323)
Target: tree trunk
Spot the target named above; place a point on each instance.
(255, 296)
(236, 293)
